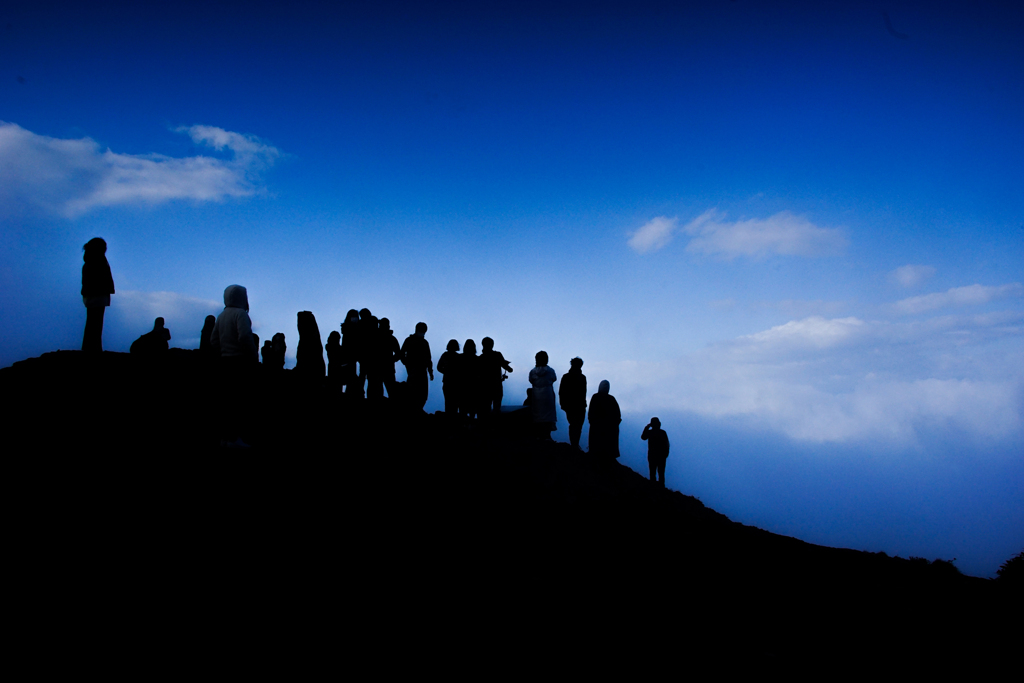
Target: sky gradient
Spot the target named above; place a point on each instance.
(793, 231)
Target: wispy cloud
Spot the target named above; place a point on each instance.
(653, 235)
(71, 177)
(783, 233)
(957, 296)
(911, 275)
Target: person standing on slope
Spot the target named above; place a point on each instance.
(657, 449)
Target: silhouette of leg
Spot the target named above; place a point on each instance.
(92, 340)
(654, 470)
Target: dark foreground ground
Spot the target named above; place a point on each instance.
(365, 536)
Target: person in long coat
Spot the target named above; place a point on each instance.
(543, 379)
(97, 286)
(604, 418)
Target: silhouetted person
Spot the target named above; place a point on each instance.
(153, 342)
(280, 347)
(97, 286)
(604, 418)
(309, 354)
(256, 343)
(471, 401)
(366, 330)
(204, 337)
(386, 352)
(543, 379)
(232, 341)
(572, 398)
(334, 361)
(492, 368)
(449, 365)
(419, 366)
(350, 353)
(657, 449)
(267, 354)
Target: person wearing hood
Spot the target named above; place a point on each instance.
(572, 398)
(309, 354)
(543, 379)
(97, 286)
(604, 418)
(232, 342)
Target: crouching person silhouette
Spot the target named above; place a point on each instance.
(231, 340)
(657, 450)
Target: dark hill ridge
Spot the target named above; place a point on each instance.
(387, 516)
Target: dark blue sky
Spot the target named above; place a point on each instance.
(799, 220)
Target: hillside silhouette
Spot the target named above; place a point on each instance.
(400, 521)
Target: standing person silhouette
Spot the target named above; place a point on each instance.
(384, 354)
(572, 398)
(657, 449)
(470, 401)
(543, 379)
(97, 286)
(309, 352)
(418, 364)
(604, 418)
(492, 363)
(448, 365)
(231, 340)
(349, 353)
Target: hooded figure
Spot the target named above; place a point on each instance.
(232, 333)
(604, 423)
(154, 342)
(97, 286)
(543, 379)
(280, 347)
(232, 342)
(309, 355)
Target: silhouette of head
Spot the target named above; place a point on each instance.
(453, 346)
(352, 316)
(306, 323)
(487, 343)
(576, 362)
(235, 296)
(158, 324)
(541, 358)
(385, 325)
(364, 314)
(279, 344)
(655, 422)
(421, 328)
(210, 320)
(95, 246)
(604, 387)
(334, 338)
(469, 348)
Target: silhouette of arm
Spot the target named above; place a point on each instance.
(647, 431)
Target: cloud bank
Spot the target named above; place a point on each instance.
(783, 234)
(133, 314)
(847, 379)
(71, 177)
(957, 296)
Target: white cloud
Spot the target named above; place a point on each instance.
(958, 296)
(70, 177)
(653, 235)
(846, 379)
(782, 233)
(911, 275)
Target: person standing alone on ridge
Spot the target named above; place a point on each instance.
(97, 286)
(657, 449)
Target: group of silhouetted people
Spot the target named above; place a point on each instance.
(363, 354)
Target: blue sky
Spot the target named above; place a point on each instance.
(793, 230)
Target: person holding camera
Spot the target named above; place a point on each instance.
(657, 450)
